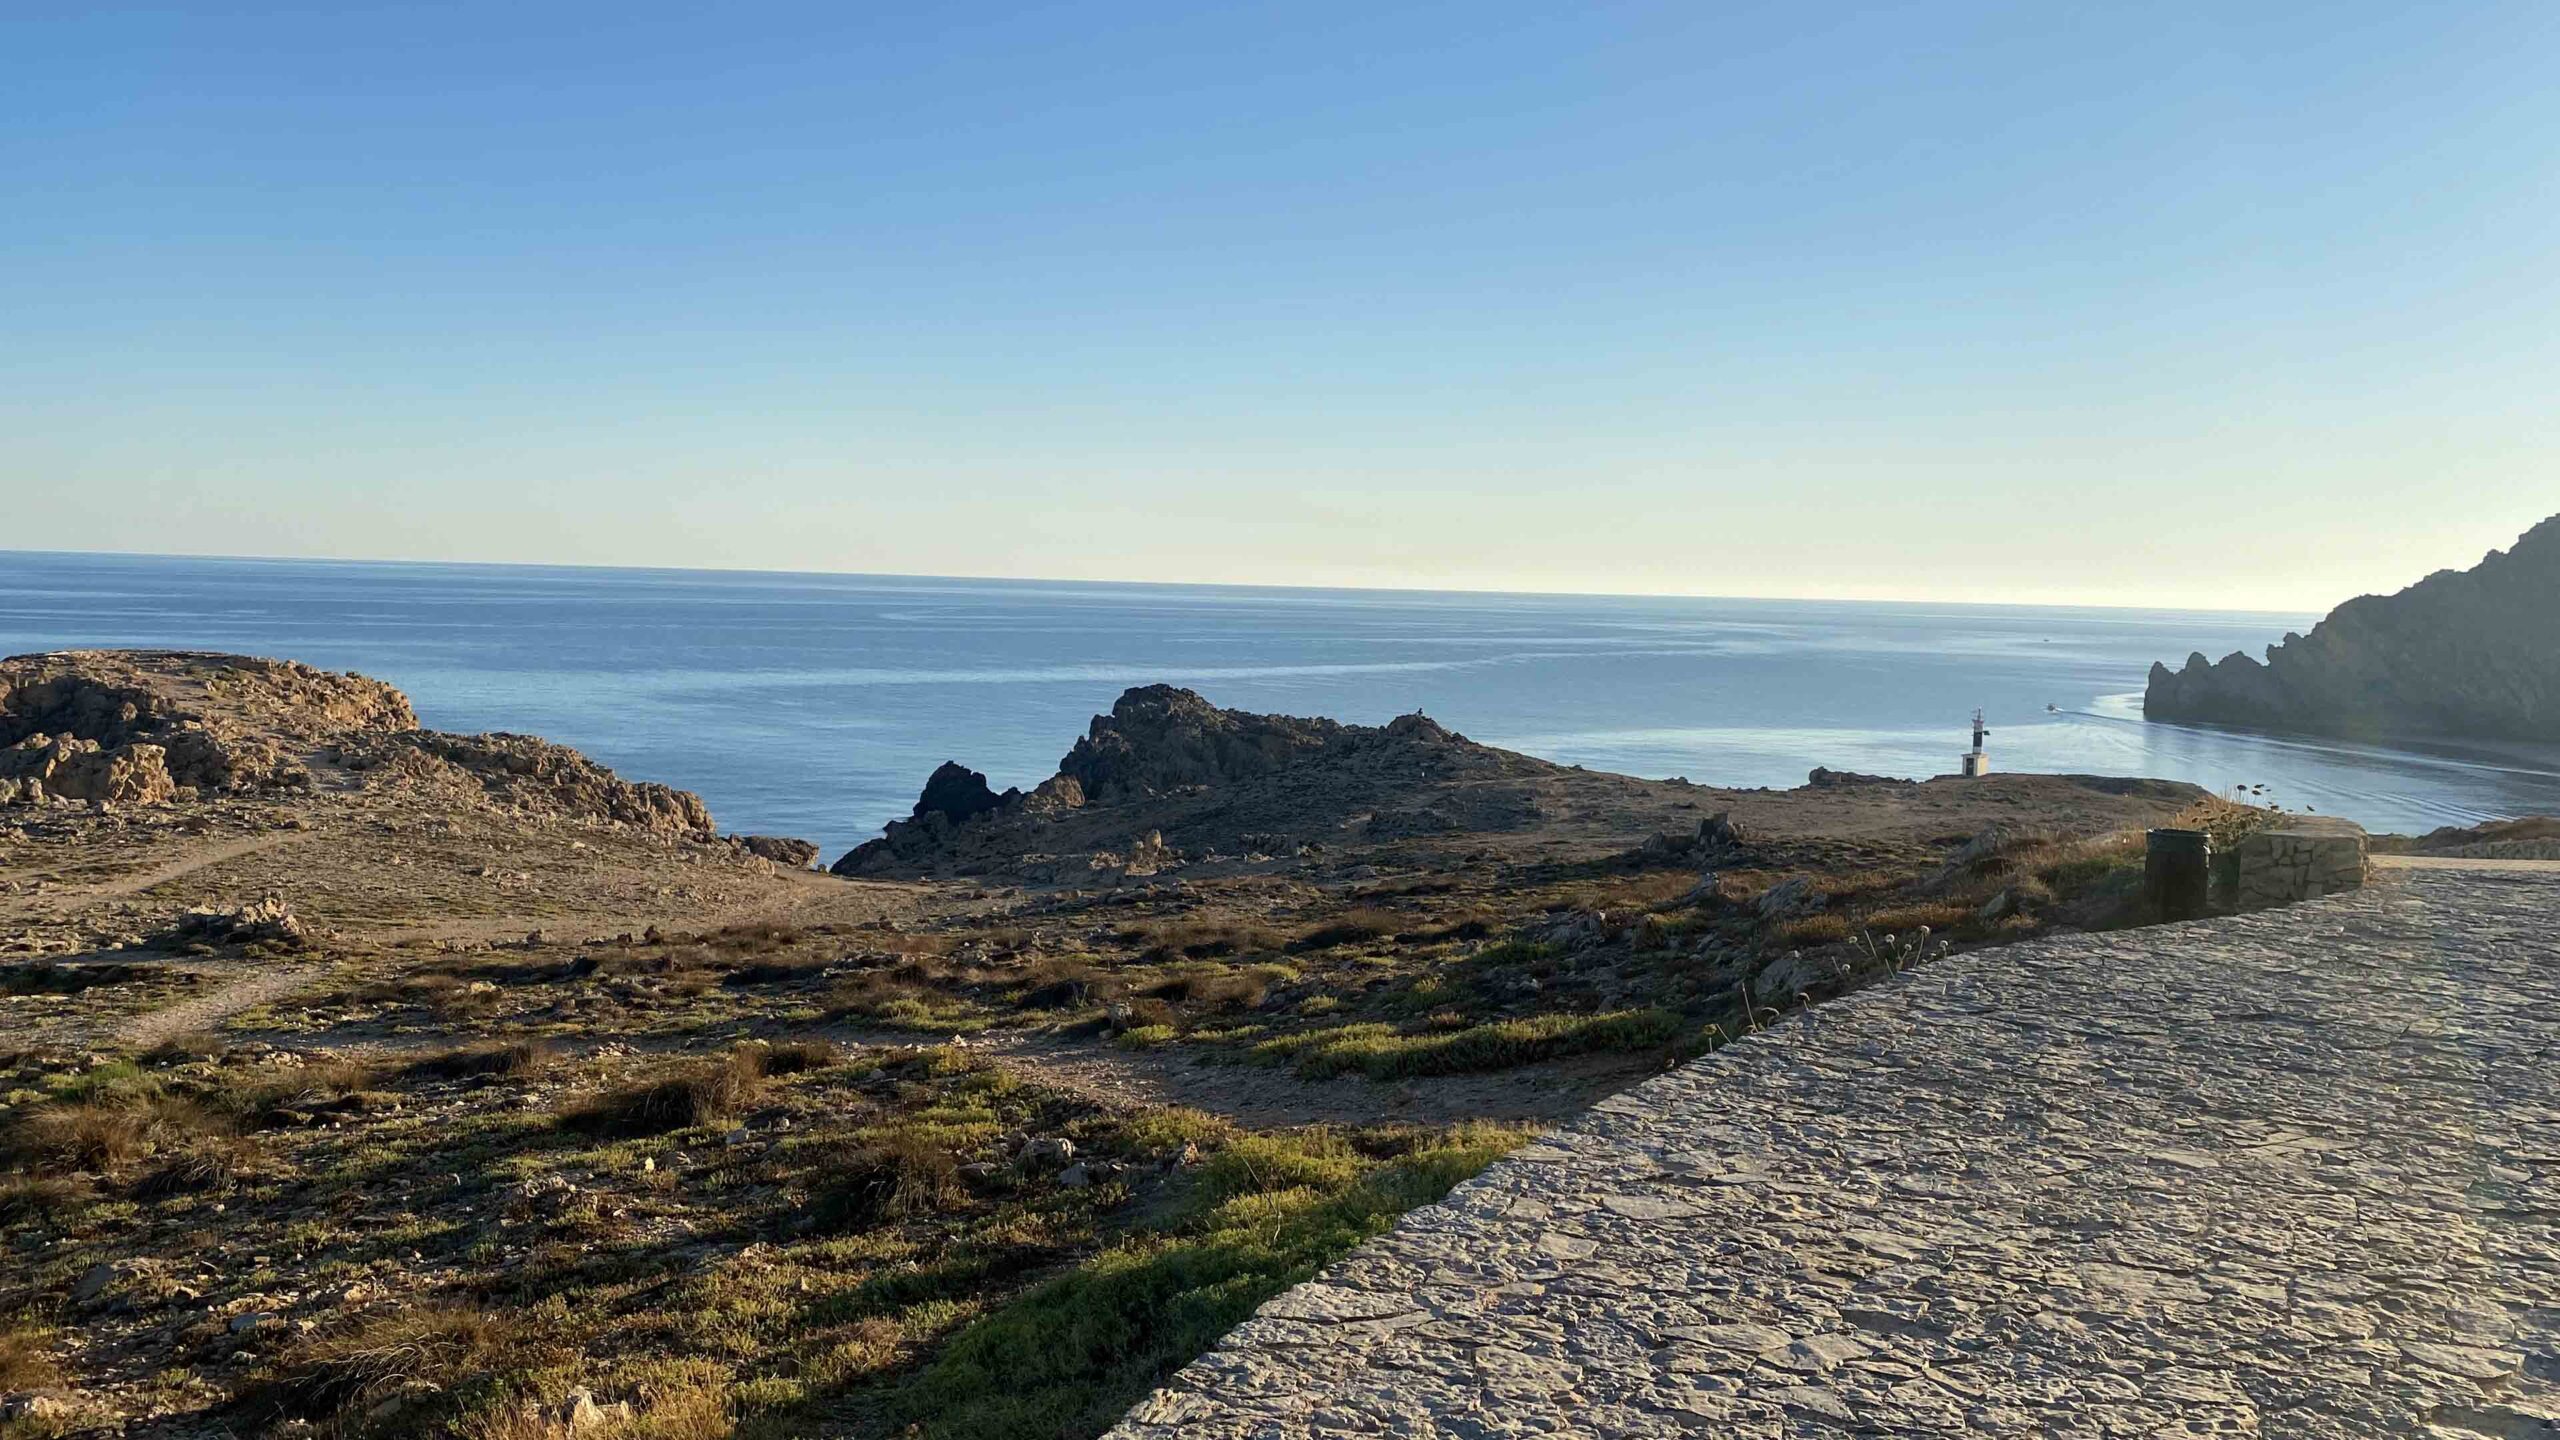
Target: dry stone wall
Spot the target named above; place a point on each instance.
(2303, 861)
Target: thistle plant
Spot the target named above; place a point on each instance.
(1893, 954)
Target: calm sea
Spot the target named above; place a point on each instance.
(814, 705)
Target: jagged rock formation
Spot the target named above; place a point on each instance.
(149, 727)
(2461, 653)
(1162, 745)
(1158, 739)
(959, 794)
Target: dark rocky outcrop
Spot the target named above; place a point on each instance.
(1245, 771)
(1824, 778)
(959, 794)
(2472, 653)
(1159, 738)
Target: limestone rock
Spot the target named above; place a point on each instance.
(1787, 897)
(780, 849)
(523, 773)
(270, 921)
(1048, 1152)
(70, 767)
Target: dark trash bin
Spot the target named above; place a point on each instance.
(2177, 873)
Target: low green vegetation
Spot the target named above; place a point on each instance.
(777, 1237)
(1270, 1211)
(1382, 1052)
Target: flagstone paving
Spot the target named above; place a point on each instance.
(2292, 1173)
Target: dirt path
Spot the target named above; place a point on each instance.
(808, 889)
(199, 858)
(2457, 862)
(1254, 1095)
(204, 1011)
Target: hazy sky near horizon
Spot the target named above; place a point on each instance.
(2253, 306)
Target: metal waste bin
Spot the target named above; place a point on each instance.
(2177, 873)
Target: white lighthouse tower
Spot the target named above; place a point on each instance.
(1975, 763)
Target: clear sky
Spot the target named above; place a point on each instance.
(2254, 305)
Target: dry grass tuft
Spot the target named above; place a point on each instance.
(1219, 989)
(32, 1197)
(1815, 930)
(792, 1057)
(517, 1060)
(901, 1175)
(106, 1136)
(1350, 927)
(194, 1045)
(699, 1094)
(1059, 983)
(206, 1164)
(1199, 939)
(346, 1370)
(1939, 916)
(26, 1357)
(753, 938)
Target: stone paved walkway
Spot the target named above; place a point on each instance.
(2291, 1174)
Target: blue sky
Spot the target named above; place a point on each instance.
(2183, 304)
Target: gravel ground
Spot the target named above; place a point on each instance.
(2293, 1173)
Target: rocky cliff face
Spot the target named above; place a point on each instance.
(2461, 653)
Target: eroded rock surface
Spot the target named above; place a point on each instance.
(2287, 1173)
(141, 726)
(150, 727)
(521, 772)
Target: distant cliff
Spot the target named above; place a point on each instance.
(2461, 653)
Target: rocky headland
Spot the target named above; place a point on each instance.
(1168, 783)
(2462, 653)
